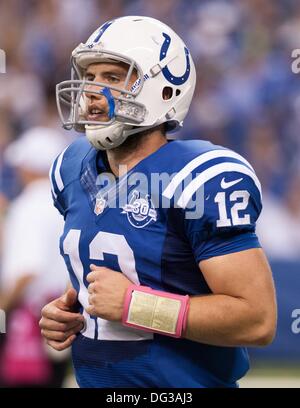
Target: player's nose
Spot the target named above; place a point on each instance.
(93, 92)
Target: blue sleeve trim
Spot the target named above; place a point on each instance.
(223, 245)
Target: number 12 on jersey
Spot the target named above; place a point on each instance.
(240, 199)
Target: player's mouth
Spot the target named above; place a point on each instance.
(96, 114)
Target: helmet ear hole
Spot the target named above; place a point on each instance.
(167, 93)
(178, 92)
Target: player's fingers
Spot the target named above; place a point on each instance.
(91, 310)
(49, 324)
(70, 297)
(62, 316)
(91, 277)
(92, 299)
(91, 288)
(59, 346)
(58, 335)
(99, 268)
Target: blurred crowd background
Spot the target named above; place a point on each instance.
(246, 98)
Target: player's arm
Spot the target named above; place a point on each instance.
(241, 309)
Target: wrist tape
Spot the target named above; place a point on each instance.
(155, 311)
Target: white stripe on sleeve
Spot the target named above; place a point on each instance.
(57, 175)
(203, 158)
(51, 181)
(211, 172)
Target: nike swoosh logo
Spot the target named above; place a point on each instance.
(227, 184)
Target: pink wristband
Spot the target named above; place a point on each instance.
(181, 318)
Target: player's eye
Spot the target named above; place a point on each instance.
(113, 79)
(89, 77)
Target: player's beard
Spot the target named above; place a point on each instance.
(135, 141)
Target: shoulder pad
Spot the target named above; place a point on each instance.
(67, 166)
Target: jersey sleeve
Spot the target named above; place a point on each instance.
(66, 169)
(229, 194)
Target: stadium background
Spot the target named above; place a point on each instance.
(246, 98)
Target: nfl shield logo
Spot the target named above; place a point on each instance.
(99, 206)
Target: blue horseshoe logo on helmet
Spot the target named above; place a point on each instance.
(101, 31)
(103, 28)
(176, 80)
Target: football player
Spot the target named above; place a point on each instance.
(170, 284)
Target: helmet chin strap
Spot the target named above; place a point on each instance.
(104, 137)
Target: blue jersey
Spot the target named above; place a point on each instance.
(186, 202)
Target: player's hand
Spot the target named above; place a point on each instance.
(107, 289)
(59, 323)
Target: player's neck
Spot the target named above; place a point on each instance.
(134, 150)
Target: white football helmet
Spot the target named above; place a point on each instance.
(160, 59)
